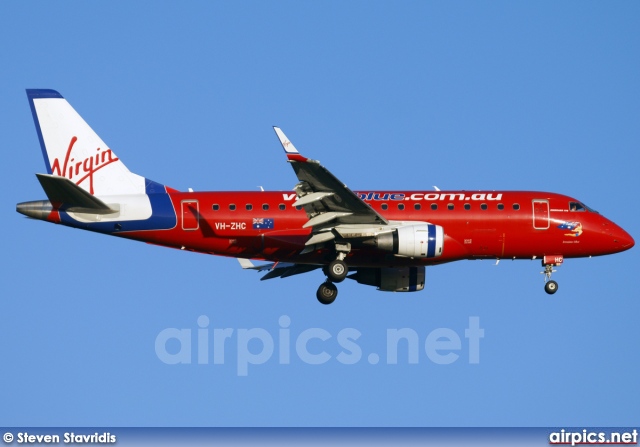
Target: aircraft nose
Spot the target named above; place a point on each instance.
(623, 239)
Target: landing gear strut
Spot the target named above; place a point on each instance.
(336, 272)
(550, 286)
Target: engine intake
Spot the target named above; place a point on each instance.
(415, 241)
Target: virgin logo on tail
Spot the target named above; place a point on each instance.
(79, 171)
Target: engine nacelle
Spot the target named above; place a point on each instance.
(400, 279)
(414, 241)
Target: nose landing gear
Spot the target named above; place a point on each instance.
(549, 262)
(551, 287)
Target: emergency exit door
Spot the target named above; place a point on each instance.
(190, 215)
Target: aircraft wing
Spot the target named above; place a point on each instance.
(327, 201)
(277, 269)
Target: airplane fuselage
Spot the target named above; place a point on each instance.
(478, 224)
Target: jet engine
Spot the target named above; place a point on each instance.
(400, 279)
(414, 241)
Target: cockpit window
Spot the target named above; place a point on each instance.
(578, 206)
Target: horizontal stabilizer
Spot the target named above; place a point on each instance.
(61, 190)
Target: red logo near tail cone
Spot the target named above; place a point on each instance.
(79, 171)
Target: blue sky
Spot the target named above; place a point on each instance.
(388, 95)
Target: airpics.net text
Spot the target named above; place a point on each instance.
(207, 345)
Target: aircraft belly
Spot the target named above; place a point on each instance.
(486, 243)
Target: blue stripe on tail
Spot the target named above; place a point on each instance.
(38, 94)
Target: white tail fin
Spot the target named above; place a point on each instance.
(73, 150)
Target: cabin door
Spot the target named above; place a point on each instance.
(540, 214)
(190, 215)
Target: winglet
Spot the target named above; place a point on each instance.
(289, 148)
(277, 269)
(246, 263)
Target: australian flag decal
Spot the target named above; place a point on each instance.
(262, 223)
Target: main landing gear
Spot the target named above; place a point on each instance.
(336, 272)
(327, 293)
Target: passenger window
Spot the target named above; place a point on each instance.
(400, 206)
(282, 206)
(384, 206)
(467, 206)
(483, 206)
(232, 207)
(265, 206)
(417, 206)
(434, 206)
(450, 206)
(298, 208)
(215, 207)
(500, 206)
(249, 207)
(516, 206)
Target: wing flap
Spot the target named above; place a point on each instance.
(320, 238)
(323, 218)
(312, 197)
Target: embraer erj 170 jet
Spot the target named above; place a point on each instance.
(378, 238)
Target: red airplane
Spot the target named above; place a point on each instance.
(377, 238)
